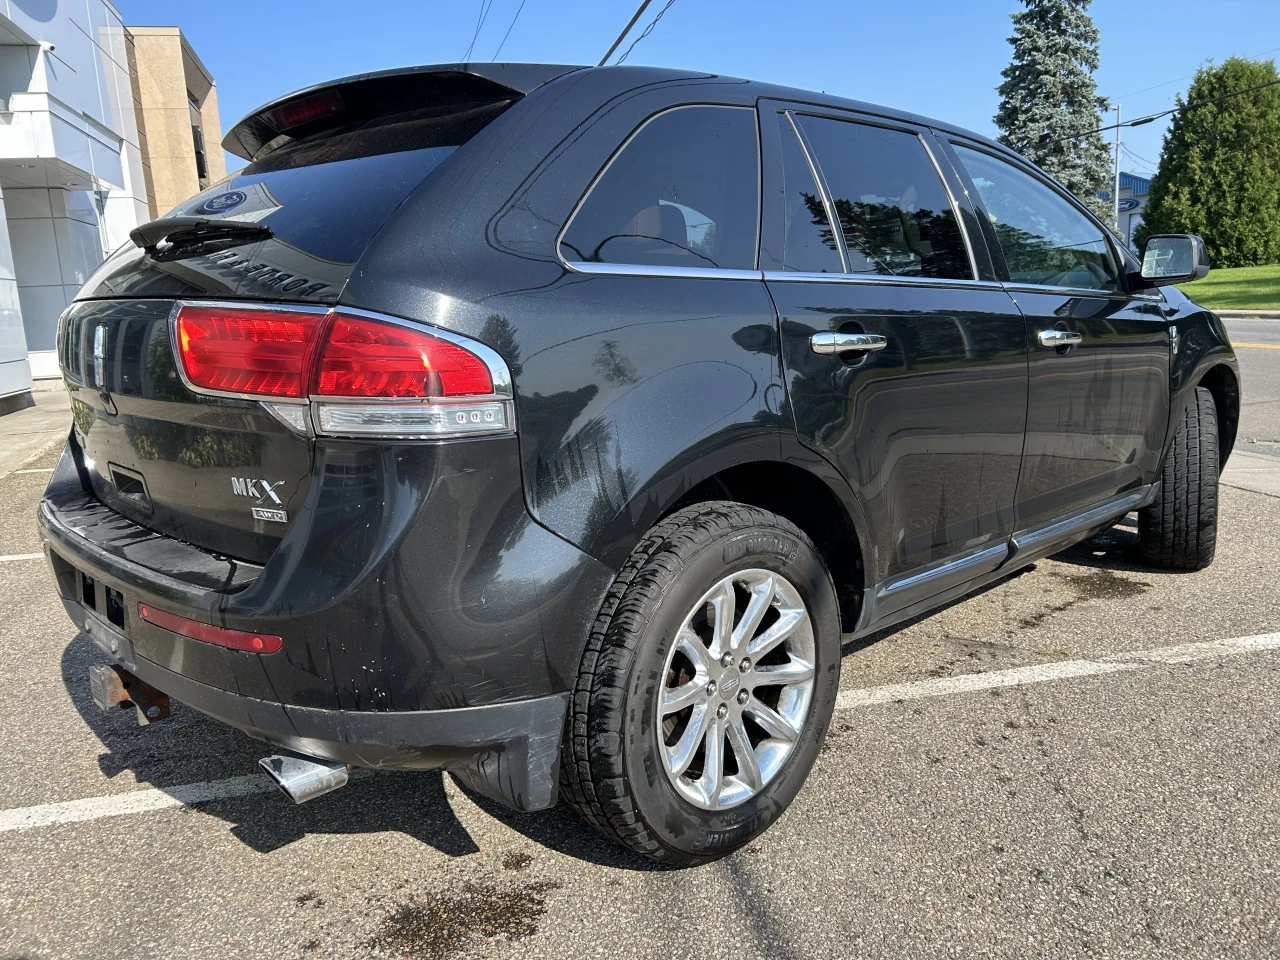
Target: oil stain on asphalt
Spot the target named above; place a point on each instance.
(1099, 584)
(434, 927)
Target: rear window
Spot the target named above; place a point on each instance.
(324, 197)
(331, 209)
(682, 192)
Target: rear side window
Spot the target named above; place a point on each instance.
(894, 212)
(682, 192)
(1046, 241)
(808, 242)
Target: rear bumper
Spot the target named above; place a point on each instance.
(428, 621)
(509, 752)
(413, 580)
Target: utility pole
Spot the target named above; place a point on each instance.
(625, 30)
(1115, 193)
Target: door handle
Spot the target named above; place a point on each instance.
(832, 343)
(1059, 338)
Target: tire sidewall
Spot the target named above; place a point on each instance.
(673, 820)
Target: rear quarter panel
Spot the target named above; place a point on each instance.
(629, 390)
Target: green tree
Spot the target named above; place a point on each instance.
(1220, 167)
(1049, 104)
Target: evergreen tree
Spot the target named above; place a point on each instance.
(1220, 167)
(1049, 94)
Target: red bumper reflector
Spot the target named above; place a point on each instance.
(208, 633)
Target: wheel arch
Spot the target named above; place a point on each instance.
(811, 502)
(1221, 381)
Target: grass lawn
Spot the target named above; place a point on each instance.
(1239, 288)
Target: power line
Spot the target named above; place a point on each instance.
(1164, 113)
(1157, 86)
(1134, 156)
(644, 5)
(508, 33)
(484, 15)
(647, 30)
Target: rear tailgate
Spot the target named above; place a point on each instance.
(188, 466)
(220, 472)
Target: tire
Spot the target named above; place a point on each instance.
(614, 768)
(1179, 530)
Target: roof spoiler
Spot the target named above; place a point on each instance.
(371, 96)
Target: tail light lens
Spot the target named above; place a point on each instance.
(258, 352)
(365, 358)
(360, 376)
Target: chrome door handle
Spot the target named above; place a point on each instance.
(1059, 338)
(831, 343)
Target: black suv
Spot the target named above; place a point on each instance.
(550, 425)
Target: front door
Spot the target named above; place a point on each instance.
(906, 363)
(1099, 397)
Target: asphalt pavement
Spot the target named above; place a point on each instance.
(1080, 761)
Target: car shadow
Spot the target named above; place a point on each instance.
(1114, 549)
(189, 747)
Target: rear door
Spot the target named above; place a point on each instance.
(1099, 392)
(929, 429)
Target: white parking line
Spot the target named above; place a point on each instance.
(1060, 670)
(21, 556)
(135, 801)
(35, 470)
(190, 794)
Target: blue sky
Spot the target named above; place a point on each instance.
(938, 57)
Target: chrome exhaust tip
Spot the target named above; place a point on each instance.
(304, 778)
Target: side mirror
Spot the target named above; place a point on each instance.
(1173, 258)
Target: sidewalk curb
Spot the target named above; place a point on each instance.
(1248, 314)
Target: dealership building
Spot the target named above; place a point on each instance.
(102, 127)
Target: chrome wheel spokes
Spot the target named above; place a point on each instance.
(736, 689)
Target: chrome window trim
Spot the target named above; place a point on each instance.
(630, 269)
(880, 279)
(828, 204)
(955, 207)
(1077, 292)
(647, 270)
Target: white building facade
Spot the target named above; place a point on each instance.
(71, 178)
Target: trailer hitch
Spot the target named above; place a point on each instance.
(114, 687)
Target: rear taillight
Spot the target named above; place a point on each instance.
(366, 358)
(262, 353)
(243, 640)
(345, 374)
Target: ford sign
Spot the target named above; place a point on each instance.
(1128, 204)
(223, 202)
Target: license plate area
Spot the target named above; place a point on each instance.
(106, 619)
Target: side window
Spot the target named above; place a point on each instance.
(683, 192)
(893, 209)
(808, 242)
(1044, 238)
